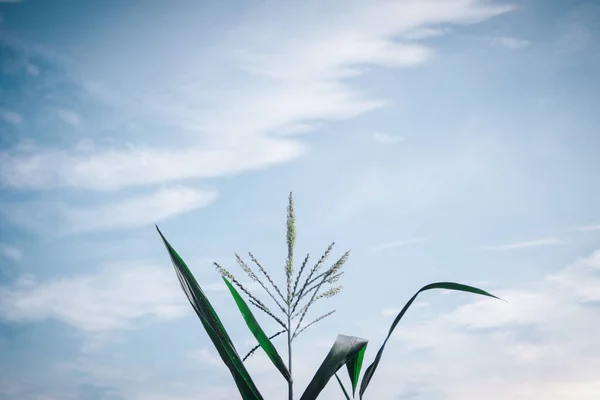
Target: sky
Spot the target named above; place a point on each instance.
(438, 140)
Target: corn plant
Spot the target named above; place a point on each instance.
(292, 307)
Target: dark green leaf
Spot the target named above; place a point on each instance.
(343, 350)
(257, 331)
(439, 285)
(213, 326)
(342, 386)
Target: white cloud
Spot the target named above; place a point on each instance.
(286, 77)
(132, 212)
(540, 344)
(69, 117)
(525, 245)
(139, 211)
(114, 169)
(299, 128)
(11, 117)
(10, 252)
(426, 33)
(586, 228)
(581, 278)
(387, 138)
(112, 299)
(509, 42)
(397, 243)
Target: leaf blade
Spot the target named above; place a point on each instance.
(343, 350)
(438, 285)
(213, 325)
(354, 366)
(262, 338)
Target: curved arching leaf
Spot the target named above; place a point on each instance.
(259, 334)
(213, 326)
(439, 285)
(343, 350)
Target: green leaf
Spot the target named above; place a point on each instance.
(213, 326)
(439, 285)
(343, 350)
(259, 334)
(354, 366)
(342, 386)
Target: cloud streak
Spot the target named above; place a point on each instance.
(524, 245)
(132, 212)
(514, 348)
(96, 303)
(586, 228)
(116, 169)
(10, 252)
(69, 117)
(283, 81)
(509, 42)
(11, 117)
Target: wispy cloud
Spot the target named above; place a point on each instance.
(96, 303)
(540, 332)
(103, 170)
(11, 117)
(397, 243)
(525, 245)
(387, 138)
(128, 213)
(139, 211)
(586, 228)
(285, 80)
(508, 42)
(10, 252)
(426, 33)
(69, 117)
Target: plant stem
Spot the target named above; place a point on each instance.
(289, 336)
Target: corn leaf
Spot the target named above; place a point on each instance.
(439, 285)
(343, 350)
(213, 326)
(354, 366)
(342, 386)
(259, 334)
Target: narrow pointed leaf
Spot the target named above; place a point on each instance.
(257, 331)
(343, 350)
(439, 285)
(354, 366)
(342, 386)
(213, 326)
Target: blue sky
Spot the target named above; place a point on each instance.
(437, 139)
